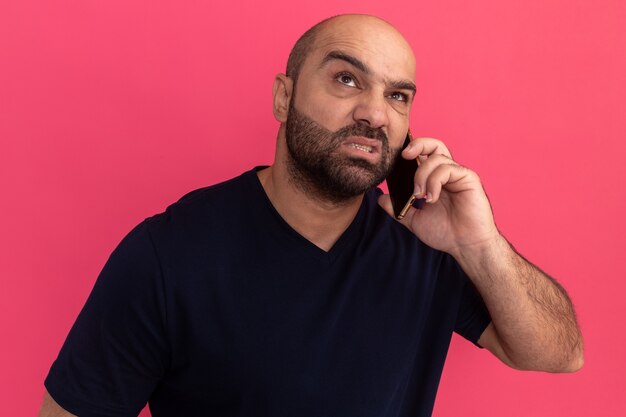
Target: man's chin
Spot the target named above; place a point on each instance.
(337, 180)
(367, 172)
(359, 178)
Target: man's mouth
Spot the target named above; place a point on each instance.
(363, 148)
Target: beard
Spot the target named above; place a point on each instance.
(317, 166)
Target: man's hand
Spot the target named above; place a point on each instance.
(533, 323)
(457, 213)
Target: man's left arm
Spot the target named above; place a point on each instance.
(533, 322)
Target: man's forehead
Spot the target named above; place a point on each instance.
(369, 39)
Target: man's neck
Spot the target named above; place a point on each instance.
(319, 221)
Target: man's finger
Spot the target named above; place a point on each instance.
(425, 147)
(454, 178)
(425, 171)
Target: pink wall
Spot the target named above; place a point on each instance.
(110, 110)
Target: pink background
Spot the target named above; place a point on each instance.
(111, 110)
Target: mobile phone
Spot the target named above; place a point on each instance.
(400, 183)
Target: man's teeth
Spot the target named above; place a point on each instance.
(362, 147)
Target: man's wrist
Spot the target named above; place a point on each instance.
(481, 258)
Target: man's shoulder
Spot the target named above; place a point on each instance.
(235, 188)
(205, 205)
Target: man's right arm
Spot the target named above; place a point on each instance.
(118, 349)
(50, 408)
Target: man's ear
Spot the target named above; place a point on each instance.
(283, 92)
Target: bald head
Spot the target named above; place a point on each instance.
(338, 27)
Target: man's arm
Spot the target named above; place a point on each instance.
(533, 322)
(534, 325)
(50, 408)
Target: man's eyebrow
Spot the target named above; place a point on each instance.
(342, 56)
(357, 63)
(403, 85)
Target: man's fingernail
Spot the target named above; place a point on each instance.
(429, 197)
(417, 191)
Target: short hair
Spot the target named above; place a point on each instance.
(302, 49)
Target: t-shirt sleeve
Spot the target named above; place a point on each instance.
(117, 350)
(473, 317)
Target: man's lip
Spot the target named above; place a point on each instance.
(375, 144)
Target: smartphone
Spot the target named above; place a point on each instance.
(401, 185)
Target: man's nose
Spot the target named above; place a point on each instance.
(372, 110)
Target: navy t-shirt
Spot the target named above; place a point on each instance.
(217, 307)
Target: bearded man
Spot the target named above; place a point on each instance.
(292, 290)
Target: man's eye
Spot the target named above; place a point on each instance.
(346, 79)
(399, 96)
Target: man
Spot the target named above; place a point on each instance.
(289, 291)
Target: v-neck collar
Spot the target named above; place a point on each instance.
(346, 238)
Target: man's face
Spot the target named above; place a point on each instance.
(349, 111)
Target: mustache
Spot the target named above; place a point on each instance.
(361, 130)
